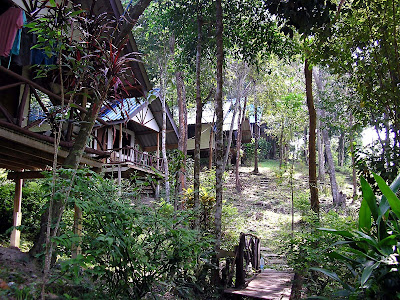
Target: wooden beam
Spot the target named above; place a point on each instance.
(22, 163)
(22, 104)
(17, 217)
(10, 86)
(154, 148)
(6, 113)
(23, 150)
(42, 146)
(48, 139)
(25, 175)
(147, 132)
(26, 159)
(12, 165)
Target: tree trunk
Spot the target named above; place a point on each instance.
(219, 136)
(341, 149)
(239, 145)
(256, 137)
(321, 153)
(199, 112)
(228, 146)
(331, 167)
(182, 115)
(131, 17)
(182, 146)
(353, 159)
(164, 153)
(312, 167)
(163, 79)
(305, 139)
(281, 146)
(210, 144)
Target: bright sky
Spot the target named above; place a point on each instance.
(368, 136)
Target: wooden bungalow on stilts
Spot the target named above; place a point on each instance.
(123, 138)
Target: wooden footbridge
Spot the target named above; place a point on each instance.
(251, 279)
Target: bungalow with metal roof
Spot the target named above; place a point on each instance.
(28, 105)
(208, 128)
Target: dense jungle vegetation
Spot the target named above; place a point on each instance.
(319, 82)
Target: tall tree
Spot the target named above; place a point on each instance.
(219, 130)
(199, 111)
(312, 162)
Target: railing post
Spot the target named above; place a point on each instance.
(240, 272)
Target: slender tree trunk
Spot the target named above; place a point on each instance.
(182, 108)
(210, 144)
(341, 149)
(182, 146)
(199, 112)
(321, 153)
(305, 139)
(331, 167)
(353, 159)
(281, 146)
(256, 138)
(219, 136)
(239, 145)
(163, 75)
(229, 143)
(312, 167)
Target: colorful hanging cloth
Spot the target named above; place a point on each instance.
(10, 22)
(17, 41)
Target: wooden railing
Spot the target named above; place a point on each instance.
(136, 157)
(242, 261)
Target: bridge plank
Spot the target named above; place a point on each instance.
(270, 284)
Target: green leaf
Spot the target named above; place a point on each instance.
(366, 274)
(332, 275)
(369, 196)
(364, 217)
(344, 233)
(389, 194)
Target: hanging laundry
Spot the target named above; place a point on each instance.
(17, 41)
(10, 22)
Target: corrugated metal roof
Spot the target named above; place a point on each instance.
(121, 110)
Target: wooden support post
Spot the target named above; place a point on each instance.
(16, 234)
(120, 160)
(157, 192)
(76, 248)
(240, 272)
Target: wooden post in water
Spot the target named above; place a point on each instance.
(16, 234)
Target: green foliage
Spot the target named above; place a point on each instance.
(126, 248)
(371, 252)
(33, 200)
(263, 149)
(307, 248)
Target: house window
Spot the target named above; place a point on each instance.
(191, 130)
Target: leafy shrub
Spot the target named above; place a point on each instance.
(31, 206)
(307, 245)
(370, 253)
(263, 149)
(126, 249)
